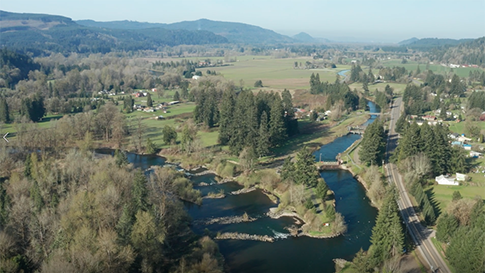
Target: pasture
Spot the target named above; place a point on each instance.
(436, 68)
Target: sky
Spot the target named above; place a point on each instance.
(343, 20)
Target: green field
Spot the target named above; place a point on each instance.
(275, 73)
(398, 87)
(436, 68)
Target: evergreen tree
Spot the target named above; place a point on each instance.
(263, 144)
(401, 124)
(277, 128)
(4, 112)
(370, 76)
(410, 144)
(28, 166)
(305, 170)
(149, 100)
(226, 109)
(124, 226)
(446, 227)
(466, 249)
(373, 144)
(150, 147)
(176, 96)
(456, 196)
(120, 158)
(169, 134)
(322, 190)
(244, 124)
(139, 192)
(387, 235)
(288, 170)
(360, 263)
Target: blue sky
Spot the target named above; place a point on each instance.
(366, 20)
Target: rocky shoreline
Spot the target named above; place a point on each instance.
(243, 236)
(230, 220)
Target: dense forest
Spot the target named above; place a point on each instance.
(470, 52)
(73, 38)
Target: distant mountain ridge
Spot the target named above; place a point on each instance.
(408, 41)
(43, 34)
(432, 42)
(234, 32)
(305, 38)
(469, 52)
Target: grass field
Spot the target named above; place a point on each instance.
(436, 68)
(398, 87)
(274, 73)
(459, 127)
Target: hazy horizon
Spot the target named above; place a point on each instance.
(366, 21)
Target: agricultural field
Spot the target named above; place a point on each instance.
(436, 68)
(276, 74)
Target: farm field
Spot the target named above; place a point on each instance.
(274, 73)
(436, 68)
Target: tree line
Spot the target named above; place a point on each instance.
(261, 121)
(336, 92)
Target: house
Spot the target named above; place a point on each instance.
(463, 139)
(173, 102)
(154, 90)
(453, 135)
(139, 94)
(474, 154)
(149, 110)
(444, 180)
(429, 118)
(467, 147)
(482, 116)
(160, 117)
(195, 77)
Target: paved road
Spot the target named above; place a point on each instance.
(421, 235)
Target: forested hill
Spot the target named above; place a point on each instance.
(234, 32)
(41, 34)
(15, 67)
(430, 43)
(471, 52)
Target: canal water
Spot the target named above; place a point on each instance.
(286, 253)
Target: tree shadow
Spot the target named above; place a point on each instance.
(434, 203)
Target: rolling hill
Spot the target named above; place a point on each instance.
(470, 52)
(42, 34)
(234, 32)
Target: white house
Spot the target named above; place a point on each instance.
(442, 180)
(463, 139)
(195, 77)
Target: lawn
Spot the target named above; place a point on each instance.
(459, 127)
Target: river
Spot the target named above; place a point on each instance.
(286, 254)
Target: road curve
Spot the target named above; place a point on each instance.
(421, 235)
